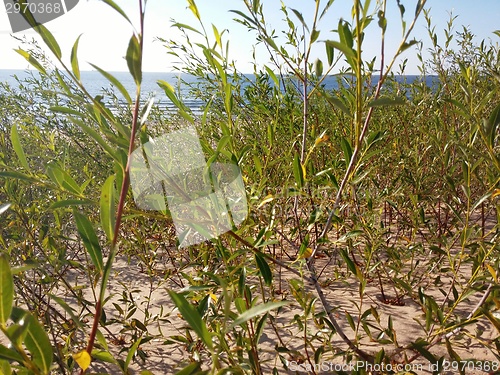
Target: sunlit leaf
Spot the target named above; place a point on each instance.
(4, 207)
(131, 353)
(49, 40)
(34, 62)
(83, 359)
(18, 148)
(134, 59)
(6, 289)
(194, 9)
(108, 197)
(74, 59)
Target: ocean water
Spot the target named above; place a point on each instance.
(95, 83)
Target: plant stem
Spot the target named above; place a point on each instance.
(121, 201)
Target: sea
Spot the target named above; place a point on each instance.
(96, 83)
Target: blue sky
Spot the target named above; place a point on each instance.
(105, 33)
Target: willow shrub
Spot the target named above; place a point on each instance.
(395, 183)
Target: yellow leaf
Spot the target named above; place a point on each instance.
(497, 303)
(496, 193)
(83, 359)
(214, 297)
(306, 254)
(267, 199)
(321, 139)
(492, 271)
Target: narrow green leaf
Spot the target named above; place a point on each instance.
(256, 311)
(5, 368)
(348, 52)
(217, 36)
(255, 6)
(6, 289)
(419, 346)
(38, 344)
(170, 92)
(34, 62)
(318, 67)
(97, 137)
(272, 43)
(68, 309)
(384, 101)
(74, 58)
(273, 76)
(113, 5)
(18, 148)
(260, 327)
(67, 111)
(492, 126)
(90, 240)
(146, 110)
(264, 269)
(63, 179)
(329, 53)
(418, 8)
(134, 59)
(108, 196)
(314, 36)
(131, 353)
(301, 18)
(243, 15)
(18, 176)
(298, 172)
(114, 82)
(350, 320)
(184, 26)
(192, 317)
(407, 45)
(345, 34)
(191, 369)
(104, 356)
(491, 318)
(10, 355)
(336, 102)
(350, 264)
(347, 148)
(70, 203)
(49, 40)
